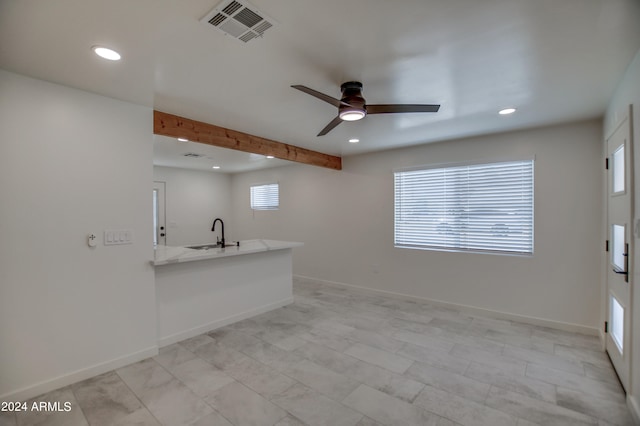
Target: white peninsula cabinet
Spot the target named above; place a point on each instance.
(201, 290)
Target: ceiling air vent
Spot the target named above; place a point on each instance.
(240, 20)
(192, 155)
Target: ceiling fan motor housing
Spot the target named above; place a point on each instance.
(352, 95)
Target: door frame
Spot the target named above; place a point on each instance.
(160, 230)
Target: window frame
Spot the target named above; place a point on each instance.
(254, 187)
(442, 244)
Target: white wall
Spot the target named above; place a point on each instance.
(71, 163)
(628, 92)
(193, 200)
(345, 219)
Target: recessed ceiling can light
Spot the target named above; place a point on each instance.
(270, 156)
(106, 53)
(354, 140)
(183, 140)
(507, 111)
(215, 167)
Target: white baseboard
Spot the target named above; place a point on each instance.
(40, 388)
(558, 325)
(37, 389)
(204, 328)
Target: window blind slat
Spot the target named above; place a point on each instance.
(265, 197)
(486, 207)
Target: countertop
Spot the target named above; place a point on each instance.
(165, 255)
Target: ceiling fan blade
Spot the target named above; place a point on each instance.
(330, 126)
(394, 108)
(333, 101)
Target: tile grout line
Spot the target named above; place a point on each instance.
(79, 405)
(137, 397)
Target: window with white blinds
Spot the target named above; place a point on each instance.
(478, 207)
(265, 197)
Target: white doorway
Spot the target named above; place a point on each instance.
(159, 225)
(620, 249)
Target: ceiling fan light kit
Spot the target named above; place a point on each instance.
(352, 106)
(352, 115)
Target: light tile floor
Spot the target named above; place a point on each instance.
(337, 357)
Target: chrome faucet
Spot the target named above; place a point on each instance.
(213, 228)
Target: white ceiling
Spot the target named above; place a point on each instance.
(170, 152)
(555, 60)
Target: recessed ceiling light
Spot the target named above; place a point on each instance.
(507, 111)
(183, 140)
(270, 156)
(215, 167)
(106, 53)
(354, 140)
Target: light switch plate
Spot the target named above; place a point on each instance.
(118, 237)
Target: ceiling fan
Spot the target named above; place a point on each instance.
(353, 106)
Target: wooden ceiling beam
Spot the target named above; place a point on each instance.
(196, 131)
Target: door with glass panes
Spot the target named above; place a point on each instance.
(620, 239)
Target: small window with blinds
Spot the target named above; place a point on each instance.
(265, 197)
(475, 207)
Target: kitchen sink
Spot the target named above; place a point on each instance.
(204, 246)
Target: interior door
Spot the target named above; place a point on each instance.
(159, 226)
(620, 246)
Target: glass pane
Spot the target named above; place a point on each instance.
(617, 322)
(618, 169)
(618, 244)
